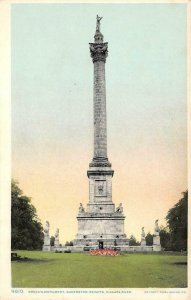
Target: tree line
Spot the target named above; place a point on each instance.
(27, 230)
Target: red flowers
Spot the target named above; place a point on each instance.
(105, 252)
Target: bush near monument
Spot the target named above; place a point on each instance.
(69, 243)
(165, 238)
(149, 239)
(133, 241)
(52, 240)
(26, 229)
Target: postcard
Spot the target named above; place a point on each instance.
(94, 149)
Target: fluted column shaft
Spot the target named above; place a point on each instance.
(100, 127)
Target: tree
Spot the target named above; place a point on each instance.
(26, 229)
(165, 238)
(69, 243)
(177, 220)
(133, 241)
(52, 239)
(149, 239)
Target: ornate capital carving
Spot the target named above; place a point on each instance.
(98, 51)
(100, 162)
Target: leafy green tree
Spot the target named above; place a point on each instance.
(26, 229)
(165, 238)
(69, 243)
(149, 239)
(52, 239)
(133, 241)
(177, 220)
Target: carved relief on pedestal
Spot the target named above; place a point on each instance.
(100, 188)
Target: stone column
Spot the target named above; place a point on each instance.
(99, 52)
(100, 131)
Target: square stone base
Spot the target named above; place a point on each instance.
(46, 248)
(156, 243)
(156, 240)
(143, 243)
(157, 248)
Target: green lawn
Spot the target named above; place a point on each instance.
(72, 270)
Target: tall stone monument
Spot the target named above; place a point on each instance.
(46, 245)
(100, 224)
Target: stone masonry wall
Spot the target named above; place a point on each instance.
(99, 227)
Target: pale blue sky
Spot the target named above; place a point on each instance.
(52, 97)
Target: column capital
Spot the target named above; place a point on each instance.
(100, 162)
(98, 51)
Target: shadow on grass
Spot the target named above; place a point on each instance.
(184, 263)
(32, 260)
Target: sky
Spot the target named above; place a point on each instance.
(52, 108)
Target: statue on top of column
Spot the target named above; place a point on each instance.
(142, 232)
(81, 209)
(46, 245)
(46, 229)
(143, 240)
(56, 241)
(119, 209)
(57, 233)
(98, 23)
(156, 229)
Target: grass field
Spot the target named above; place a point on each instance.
(72, 270)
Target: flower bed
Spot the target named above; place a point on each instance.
(104, 252)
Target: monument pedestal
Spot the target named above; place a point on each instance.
(143, 242)
(103, 230)
(46, 245)
(156, 243)
(46, 248)
(56, 244)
